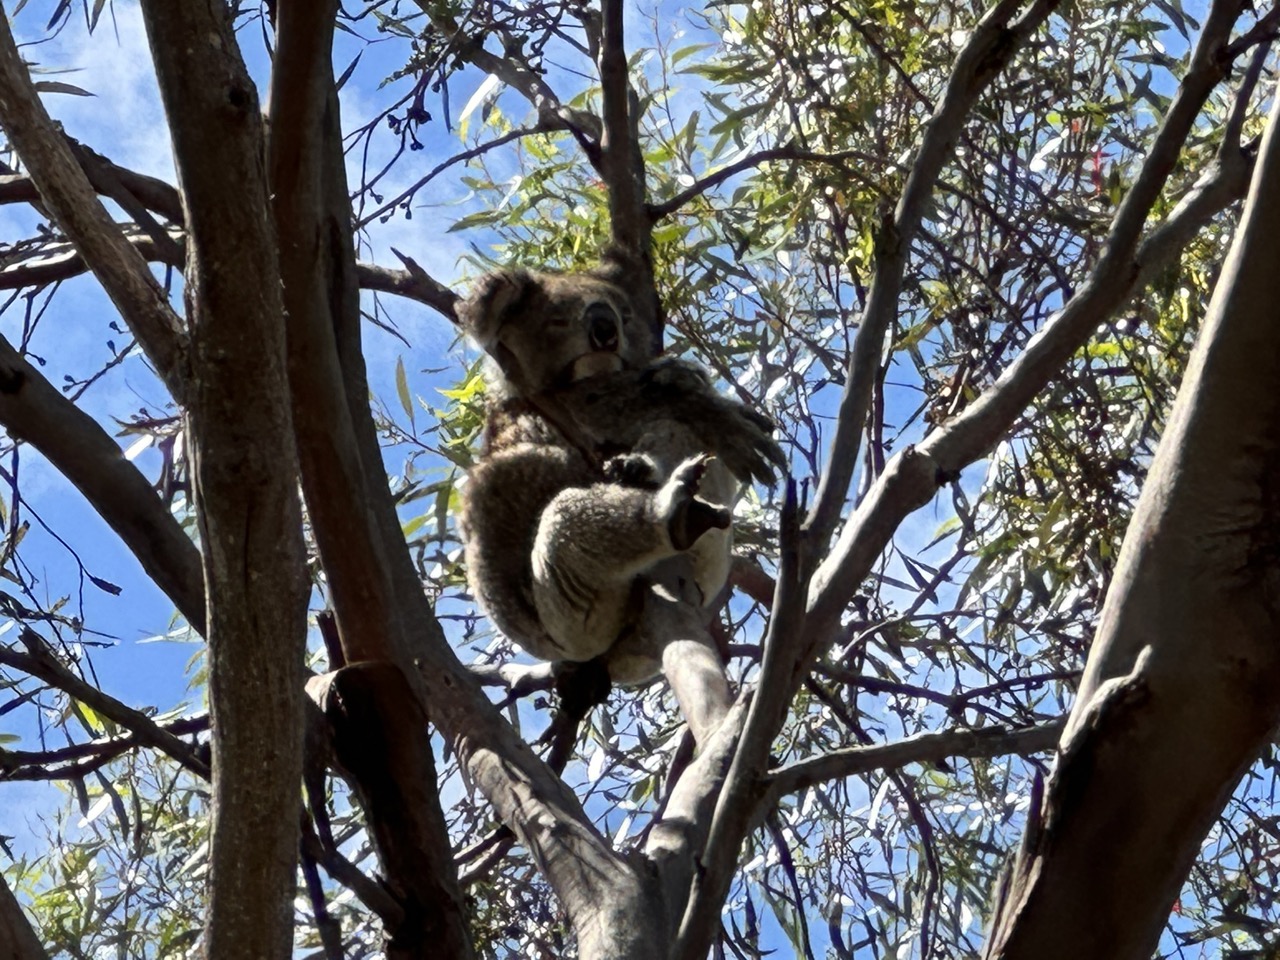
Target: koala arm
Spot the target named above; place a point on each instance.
(619, 409)
(593, 542)
(506, 493)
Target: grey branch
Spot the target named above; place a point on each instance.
(552, 114)
(995, 39)
(912, 477)
(922, 748)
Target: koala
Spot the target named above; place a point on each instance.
(598, 462)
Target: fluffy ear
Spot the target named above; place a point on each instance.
(491, 301)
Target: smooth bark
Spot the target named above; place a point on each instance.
(1182, 688)
(70, 199)
(34, 411)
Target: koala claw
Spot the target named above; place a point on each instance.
(688, 517)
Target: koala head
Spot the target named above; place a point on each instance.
(547, 330)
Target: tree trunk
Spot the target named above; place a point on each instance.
(245, 469)
(1182, 689)
(17, 940)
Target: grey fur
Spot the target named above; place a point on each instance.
(598, 463)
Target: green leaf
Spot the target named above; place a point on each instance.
(58, 86)
(402, 390)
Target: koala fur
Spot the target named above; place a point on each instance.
(598, 462)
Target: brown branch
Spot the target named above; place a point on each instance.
(70, 199)
(32, 409)
(62, 262)
(17, 936)
(104, 176)
(367, 890)
(379, 724)
(421, 286)
(379, 737)
(246, 472)
(622, 165)
(40, 663)
(60, 764)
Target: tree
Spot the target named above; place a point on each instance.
(922, 238)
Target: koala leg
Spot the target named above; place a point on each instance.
(593, 542)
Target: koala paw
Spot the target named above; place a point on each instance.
(687, 517)
(632, 470)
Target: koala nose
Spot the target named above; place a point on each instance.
(603, 333)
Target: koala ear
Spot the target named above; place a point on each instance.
(492, 299)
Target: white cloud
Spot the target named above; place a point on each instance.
(124, 119)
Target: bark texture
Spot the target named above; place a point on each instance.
(1182, 689)
(245, 473)
(374, 703)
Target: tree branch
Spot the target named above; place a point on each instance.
(68, 196)
(517, 75)
(622, 165)
(476, 151)
(368, 702)
(32, 409)
(245, 470)
(62, 262)
(735, 812)
(657, 211)
(993, 43)
(913, 476)
(16, 934)
(40, 663)
(922, 748)
(18, 764)
(1182, 677)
